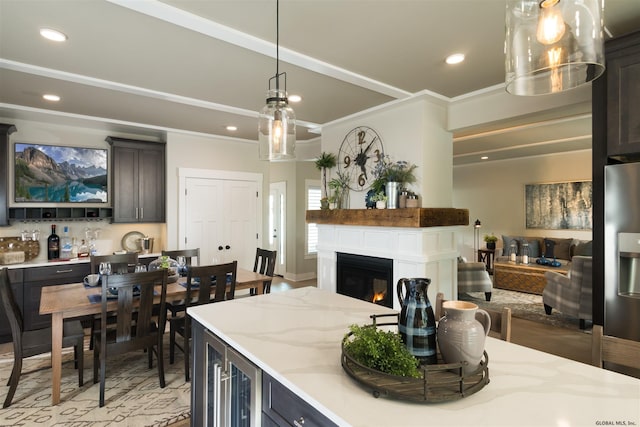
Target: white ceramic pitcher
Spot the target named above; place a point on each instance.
(462, 333)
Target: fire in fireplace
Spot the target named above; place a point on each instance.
(366, 278)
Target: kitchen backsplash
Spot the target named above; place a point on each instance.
(109, 235)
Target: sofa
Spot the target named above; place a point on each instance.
(531, 277)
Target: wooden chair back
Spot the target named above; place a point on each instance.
(500, 320)
(120, 264)
(135, 293)
(265, 263)
(135, 328)
(188, 254)
(224, 274)
(11, 308)
(606, 348)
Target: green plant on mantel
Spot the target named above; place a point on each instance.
(324, 162)
(379, 197)
(387, 170)
(381, 350)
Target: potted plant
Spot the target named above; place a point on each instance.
(324, 162)
(491, 240)
(380, 199)
(391, 176)
(340, 186)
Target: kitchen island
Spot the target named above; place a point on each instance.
(295, 337)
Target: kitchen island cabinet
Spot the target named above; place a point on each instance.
(137, 180)
(294, 337)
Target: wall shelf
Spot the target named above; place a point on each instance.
(23, 214)
(407, 217)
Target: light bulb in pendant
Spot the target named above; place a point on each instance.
(551, 26)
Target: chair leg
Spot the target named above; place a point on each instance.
(96, 362)
(160, 356)
(172, 343)
(79, 351)
(13, 380)
(487, 296)
(150, 356)
(547, 309)
(103, 365)
(186, 352)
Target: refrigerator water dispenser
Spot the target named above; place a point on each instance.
(629, 263)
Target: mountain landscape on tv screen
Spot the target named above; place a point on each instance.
(60, 174)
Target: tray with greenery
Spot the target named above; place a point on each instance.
(375, 356)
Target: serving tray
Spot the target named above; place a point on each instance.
(439, 383)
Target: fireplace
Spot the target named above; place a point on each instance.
(365, 277)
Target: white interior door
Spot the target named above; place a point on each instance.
(277, 230)
(203, 217)
(220, 216)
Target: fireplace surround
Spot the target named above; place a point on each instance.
(429, 252)
(365, 277)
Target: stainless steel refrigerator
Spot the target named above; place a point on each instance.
(622, 251)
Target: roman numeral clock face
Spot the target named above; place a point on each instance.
(360, 152)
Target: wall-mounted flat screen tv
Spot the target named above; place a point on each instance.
(57, 174)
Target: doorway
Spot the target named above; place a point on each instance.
(276, 223)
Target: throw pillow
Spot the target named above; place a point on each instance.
(583, 248)
(560, 249)
(506, 243)
(534, 246)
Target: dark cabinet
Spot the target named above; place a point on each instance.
(5, 131)
(281, 407)
(623, 96)
(37, 278)
(15, 278)
(138, 180)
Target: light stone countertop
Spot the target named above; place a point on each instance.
(40, 263)
(295, 336)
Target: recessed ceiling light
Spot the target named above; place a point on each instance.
(456, 58)
(54, 35)
(294, 98)
(232, 128)
(484, 157)
(51, 97)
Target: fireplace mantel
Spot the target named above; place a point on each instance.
(408, 217)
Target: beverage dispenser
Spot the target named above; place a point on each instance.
(629, 264)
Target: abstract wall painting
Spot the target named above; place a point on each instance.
(559, 206)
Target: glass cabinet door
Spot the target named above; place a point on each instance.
(245, 391)
(214, 385)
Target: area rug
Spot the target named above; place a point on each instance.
(523, 306)
(133, 393)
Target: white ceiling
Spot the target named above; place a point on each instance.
(198, 66)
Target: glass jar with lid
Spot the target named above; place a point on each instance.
(168, 263)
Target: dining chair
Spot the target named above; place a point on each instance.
(192, 257)
(120, 264)
(500, 320)
(31, 343)
(265, 263)
(607, 348)
(135, 327)
(200, 279)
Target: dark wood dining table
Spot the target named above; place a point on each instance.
(75, 300)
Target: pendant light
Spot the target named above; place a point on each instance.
(552, 45)
(277, 125)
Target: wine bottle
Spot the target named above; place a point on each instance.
(53, 244)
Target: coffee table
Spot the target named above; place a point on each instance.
(523, 277)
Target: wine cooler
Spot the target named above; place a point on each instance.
(226, 388)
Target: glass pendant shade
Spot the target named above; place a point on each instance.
(552, 45)
(277, 128)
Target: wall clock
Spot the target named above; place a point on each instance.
(359, 153)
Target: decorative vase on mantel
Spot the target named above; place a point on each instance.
(392, 190)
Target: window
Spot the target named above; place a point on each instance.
(313, 203)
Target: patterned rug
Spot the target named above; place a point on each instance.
(133, 394)
(523, 306)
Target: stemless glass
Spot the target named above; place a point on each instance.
(105, 268)
(141, 268)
